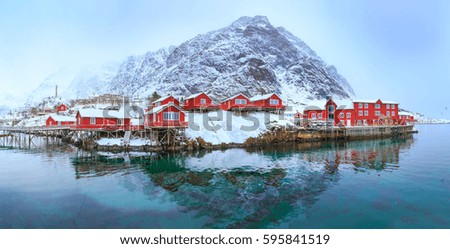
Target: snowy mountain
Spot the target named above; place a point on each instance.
(250, 56)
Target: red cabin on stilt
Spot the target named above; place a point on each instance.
(268, 102)
(200, 102)
(239, 102)
(165, 116)
(92, 119)
(56, 120)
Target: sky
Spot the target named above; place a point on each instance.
(392, 50)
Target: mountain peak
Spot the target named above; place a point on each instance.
(247, 20)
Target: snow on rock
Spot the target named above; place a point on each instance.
(225, 127)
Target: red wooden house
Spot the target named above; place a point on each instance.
(314, 113)
(102, 119)
(61, 108)
(168, 115)
(165, 100)
(375, 112)
(56, 120)
(239, 102)
(199, 102)
(405, 118)
(270, 102)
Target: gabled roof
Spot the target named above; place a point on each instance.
(313, 108)
(232, 97)
(59, 118)
(405, 114)
(162, 99)
(96, 113)
(195, 95)
(263, 97)
(162, 107)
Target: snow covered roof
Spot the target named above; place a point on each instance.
(344, 105)
(160, 108)
(390, 102)
(405, 114)
(313, 108)
(96, 113)
(232, 97)
(262, 97)
(374, 101)
(194, 95)
(162, 99)
(59, 118)
(364, 101)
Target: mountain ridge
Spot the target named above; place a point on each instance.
(249, 56)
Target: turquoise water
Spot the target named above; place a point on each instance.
(385, 183)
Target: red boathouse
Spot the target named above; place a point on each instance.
(268, 102)
(165, 100)
(164, 116)
(56, 120)
(199, 102)
(61, 108)
(102, 119)
(238, 102)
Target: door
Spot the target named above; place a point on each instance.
(349, 123)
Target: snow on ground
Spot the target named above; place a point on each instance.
(32, 122)
(225, 127)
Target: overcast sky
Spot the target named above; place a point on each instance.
(393, 50)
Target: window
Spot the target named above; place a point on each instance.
(341, 115)
(320, 115)
(358, 122)
(158, 103)
(240, 101)
(360, 113)
(171, 116)
(349, 115)
(313, 115)
(202, 101)
(274, 102)
(388, 113)
(365, 122)
(377, 106)
(366, 105)
(360, 105)
(377, 113)
(366, 113)
(388, 106)
(92, 120)
(119, 121)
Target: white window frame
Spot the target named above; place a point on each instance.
(202, 101)
(320, 115)
(377, 106)
(349, 115)
(366, 113)
(341, 115)
(360, 105)
(240, 101)
(171, 116)
(388, 113)
(274, 102)
(377, 113)
(92, 120)
(360, 113)
(313, 116)
(366, 105)
(388, 106)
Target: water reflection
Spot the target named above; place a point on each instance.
(248, 188)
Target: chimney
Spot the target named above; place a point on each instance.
(56, 91)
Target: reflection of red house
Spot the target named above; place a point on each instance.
(102, 119)
(56, 120)
(199, 102)
(165, 100)
(269, 101)
(238, 102)
(62, 108)
(169, 115)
